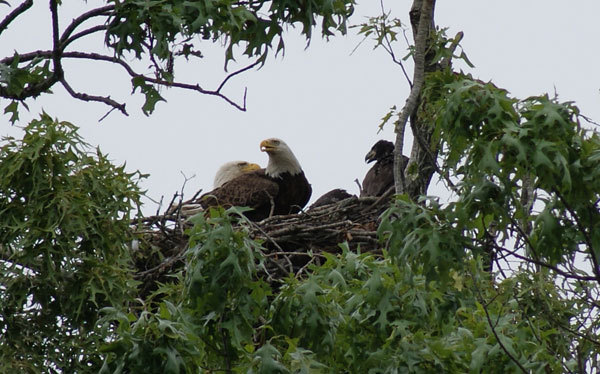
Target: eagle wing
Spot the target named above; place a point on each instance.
(253, 190)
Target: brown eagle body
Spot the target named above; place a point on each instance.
(281, 188)
(331, 197)
(380, 177)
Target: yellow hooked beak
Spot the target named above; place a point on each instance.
(250, 167)
(268, 146)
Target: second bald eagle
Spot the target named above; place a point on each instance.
(280, 188)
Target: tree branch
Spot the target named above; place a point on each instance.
(81, 34)
(56, 50)
(487, 315)
(586, 236)
(418, 81)
(64, 39)
(99, 57)
(85, 97)
(544, 264)
(22, 8)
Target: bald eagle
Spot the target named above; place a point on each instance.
(280, 188)
(231, 170)
(381, 175)
(226, 172)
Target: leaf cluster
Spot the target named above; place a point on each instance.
(63, 246)
(255, 24)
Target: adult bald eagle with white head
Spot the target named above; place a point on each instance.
(280, 188)
(231, 170)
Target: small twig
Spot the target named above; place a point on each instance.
(280, 267)
(388, 48)
(159, 206)
(384, 197)
(163, 265)
(106, 114)
(266, 235)
(270, 254)
(82, 34)
(359, 186)
(236, 73)
(303, 268)
(448, 61)
(489, 319)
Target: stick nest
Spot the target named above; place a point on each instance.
(292, 242)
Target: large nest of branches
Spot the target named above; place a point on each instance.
(292, 241)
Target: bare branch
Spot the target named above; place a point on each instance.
(66, 39)
(85, 97)
(82, 34)
(22, 8)
(544, 264)
(419, 79)
(236, 73)
(25, 57)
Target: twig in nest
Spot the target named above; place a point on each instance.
(266, 235)
(303, 268)
(359, 186)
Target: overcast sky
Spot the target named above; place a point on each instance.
(325, 102)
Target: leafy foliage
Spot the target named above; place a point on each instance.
(64, 216)
(427, 304)
(504, 277)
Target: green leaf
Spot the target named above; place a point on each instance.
(12, 108)
(151, 94)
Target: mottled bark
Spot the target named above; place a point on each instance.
(417, 175)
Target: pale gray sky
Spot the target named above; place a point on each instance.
(325, 103)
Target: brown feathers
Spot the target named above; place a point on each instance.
(281, 188)
(381, 176)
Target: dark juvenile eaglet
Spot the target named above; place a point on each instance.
(381, 175)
